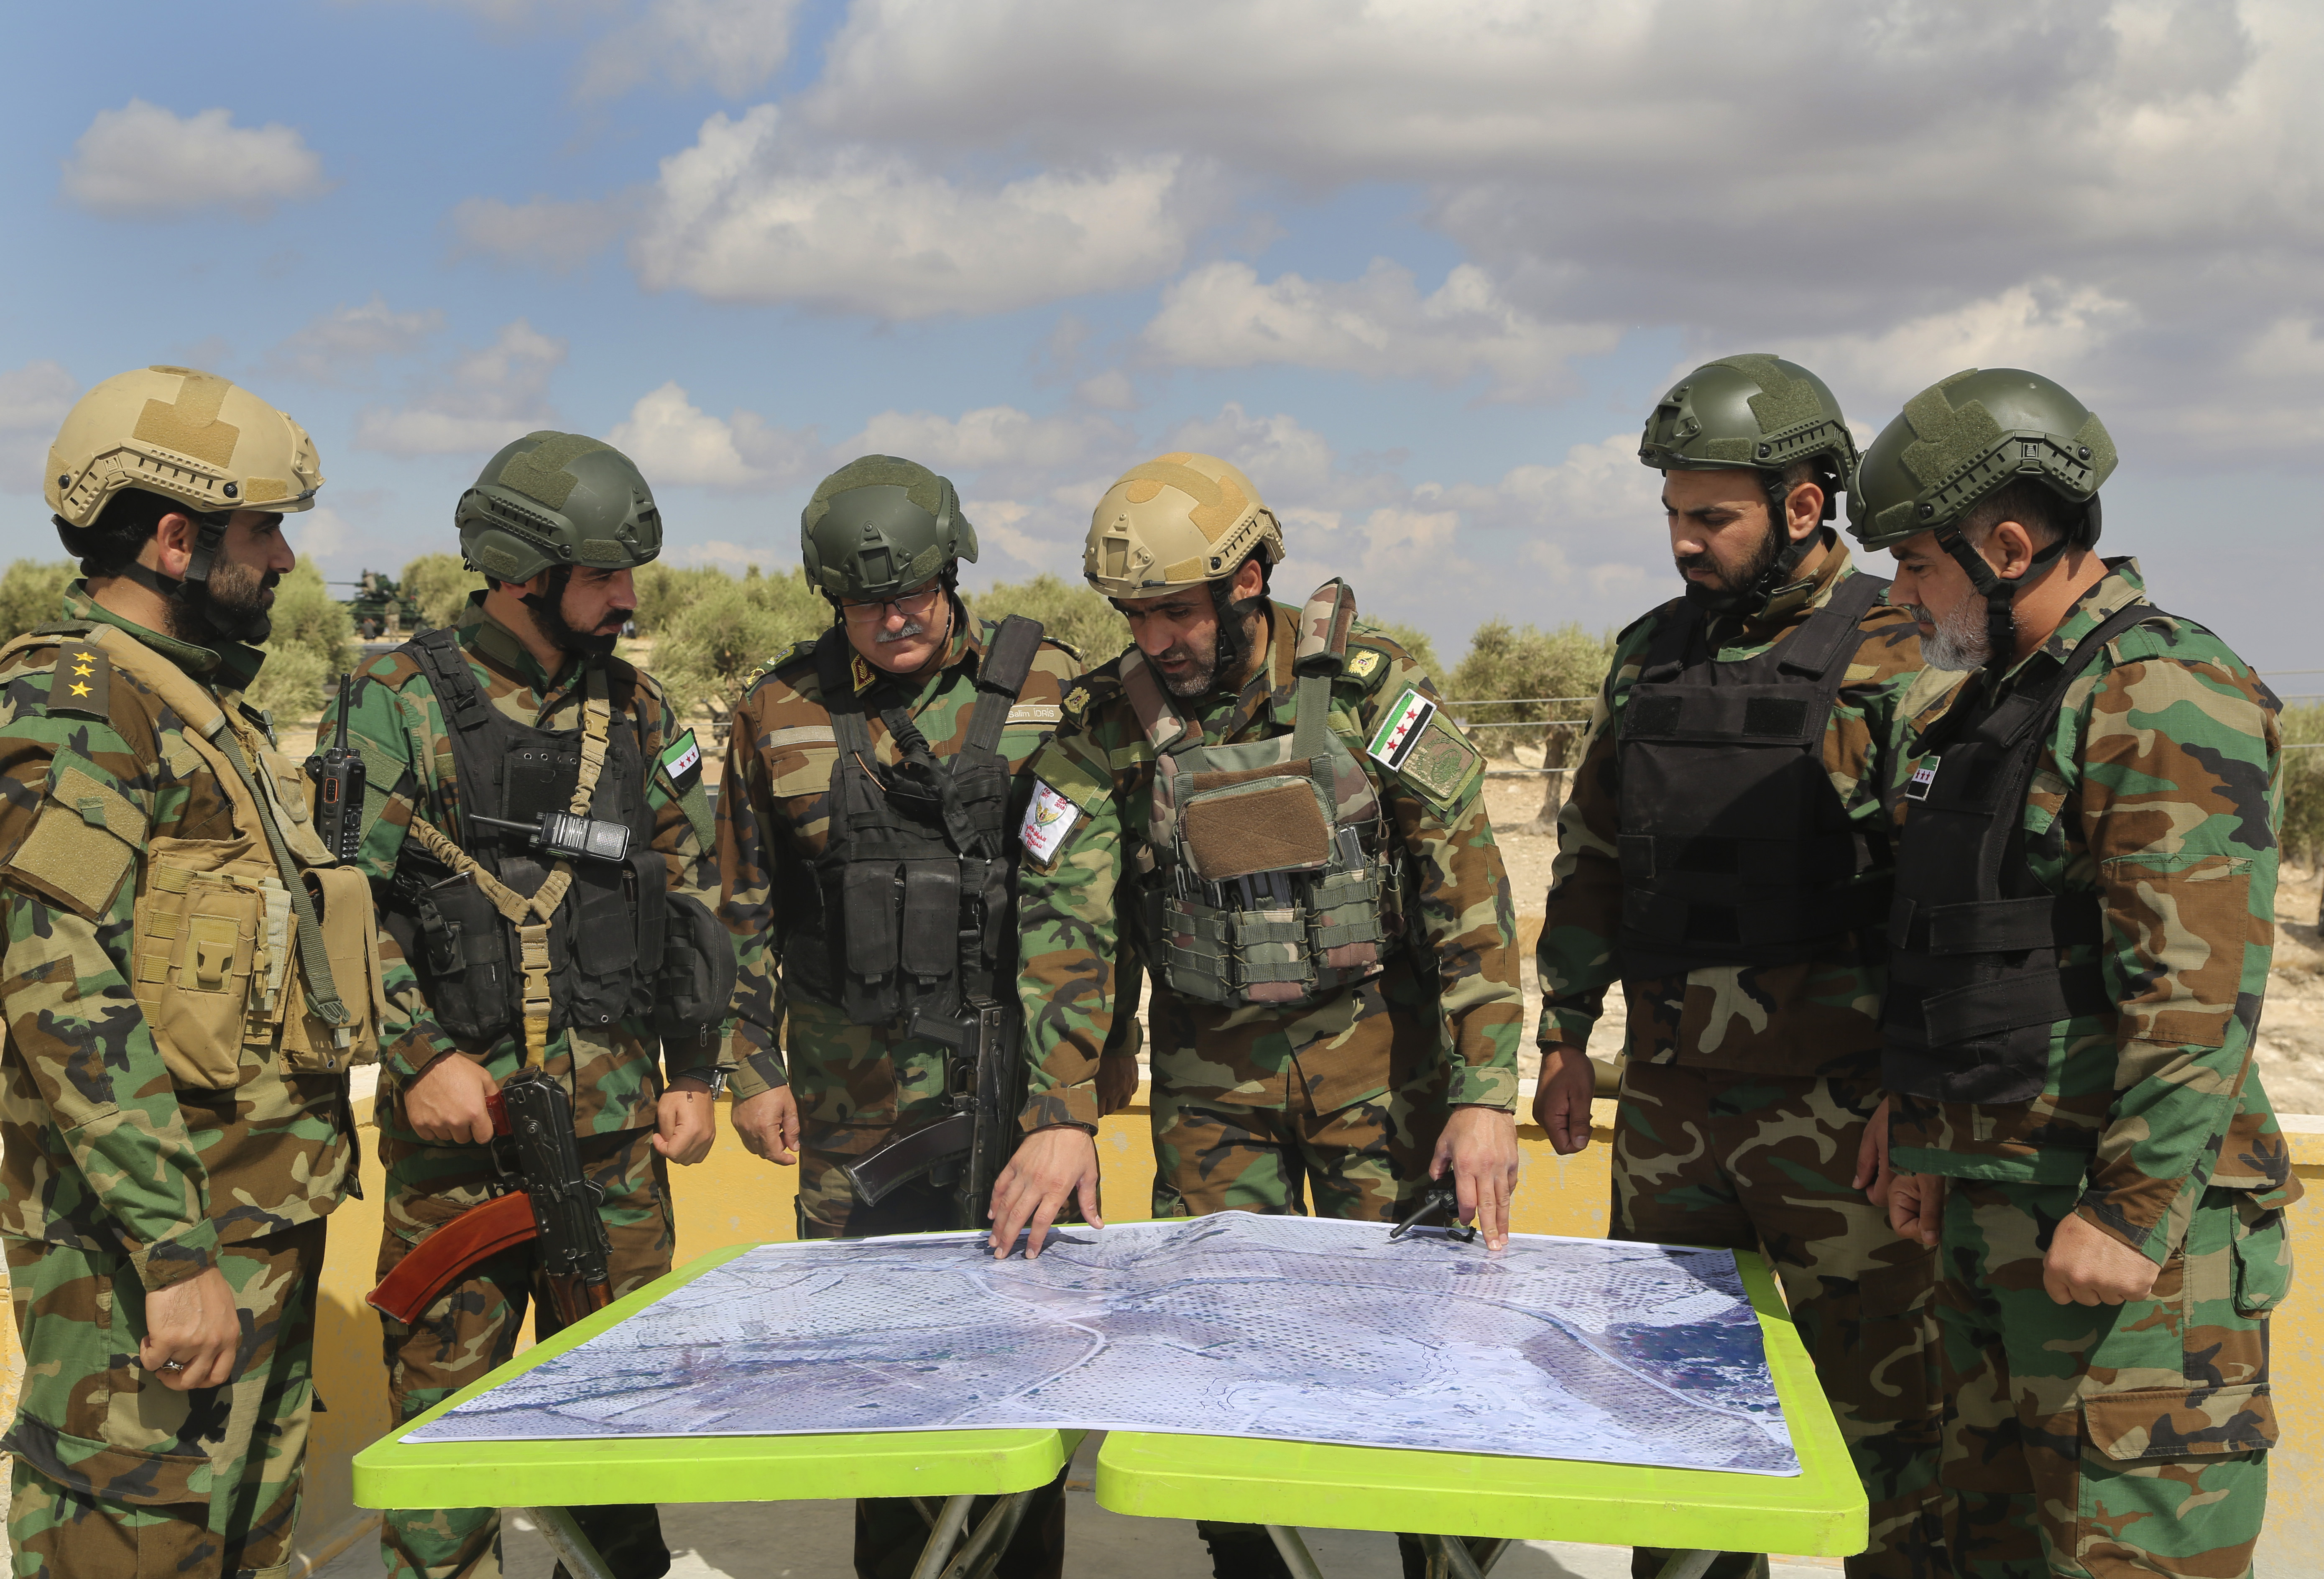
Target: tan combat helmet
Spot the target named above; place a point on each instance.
(1178, 520)
(190, 436)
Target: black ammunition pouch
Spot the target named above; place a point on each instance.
(606, 940)
(914, 891)
(697, 979)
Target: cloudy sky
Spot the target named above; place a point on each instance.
(1419, 267)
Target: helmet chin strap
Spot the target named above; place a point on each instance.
(1751, 600)
(2001, 593)
(209, 536)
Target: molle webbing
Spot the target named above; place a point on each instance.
(202, 711)
(463, 702)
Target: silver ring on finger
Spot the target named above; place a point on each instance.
(173, 1364)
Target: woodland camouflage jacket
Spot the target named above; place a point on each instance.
(774, 821)
(1460, 974)
(103, 1150)
(1820, 1016)
(2156, 793)
(398, 726)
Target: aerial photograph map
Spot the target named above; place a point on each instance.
(1299, 1328)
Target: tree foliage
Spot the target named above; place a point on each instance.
(312, 641)
(2303, 784)
(1075, 615)
(30, 594)
(440, 583)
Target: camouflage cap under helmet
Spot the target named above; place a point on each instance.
(1750, 410)
(879, 526)
(557, 499)
(1178, 520)
(1961, 440)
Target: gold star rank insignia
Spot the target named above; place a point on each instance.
(82, 683)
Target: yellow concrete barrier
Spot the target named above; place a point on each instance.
(734, 1198)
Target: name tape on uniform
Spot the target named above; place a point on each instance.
(1406, 723)
(1048, 820)
(680, 757)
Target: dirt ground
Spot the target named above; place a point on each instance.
(2292, 1032)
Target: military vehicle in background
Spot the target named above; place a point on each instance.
(381, 610)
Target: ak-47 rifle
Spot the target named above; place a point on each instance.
(985, 1080)
(550, 1201)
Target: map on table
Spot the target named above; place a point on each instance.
(1233, 1325)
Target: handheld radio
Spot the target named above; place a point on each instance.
(338, 775)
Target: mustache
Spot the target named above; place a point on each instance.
(911, 628)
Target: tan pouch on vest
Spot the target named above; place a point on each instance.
(199, 944)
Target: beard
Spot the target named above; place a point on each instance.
(1201, 671)
(1961, 641)
(1730, 589)
(548, 617)
(233, 604)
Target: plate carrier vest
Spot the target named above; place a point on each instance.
(920, 862)
(1736, 850)
(1269, 872)
(523, 943)
(219, 923)
(1974, 983)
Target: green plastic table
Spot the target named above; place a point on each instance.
(1818, 1512)
(546, 1478)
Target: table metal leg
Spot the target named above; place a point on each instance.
(943, 1537)
(1296, 1555)
(563, 1533)
(985, 1548)
(1687, 1565)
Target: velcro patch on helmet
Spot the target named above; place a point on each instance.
(542, 472)
(190, 425)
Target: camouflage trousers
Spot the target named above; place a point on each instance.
(116, 1474)
(891, 1531)
(472, 1328)
(2105, 1440)
(1217, 1150)
(1723, 1157)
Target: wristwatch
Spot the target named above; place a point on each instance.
(713, 1075)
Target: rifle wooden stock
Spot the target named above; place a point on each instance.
(440, 1259)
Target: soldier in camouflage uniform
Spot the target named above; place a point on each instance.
(2086, 889)
(1732, 873)
(494, 718)
(1272, 808)
(820, 1055)
(182, 1009)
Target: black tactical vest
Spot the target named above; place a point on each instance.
(1974, 983)
(605, 940)
(1734, 847)
(918, 868)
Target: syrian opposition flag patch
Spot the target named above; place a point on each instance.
(682, 760)
(1406, 723)
(1047, 821)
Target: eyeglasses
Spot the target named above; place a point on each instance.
(914, 604)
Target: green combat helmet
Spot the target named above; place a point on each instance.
(1751, 410)
(1957, 443)
(879, 526)
(557, 499)
(1758, 411)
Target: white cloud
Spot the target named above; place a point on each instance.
(2045, 325)
(678, 444)
(144, 162)
(1378, 326)
(1110, 391)
(748, 214)
(547, 233)
(488, 398)
(990, 438)
(345, 345)
(33, 401)
(319, 533)
(1278, 453)
(733, 45)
